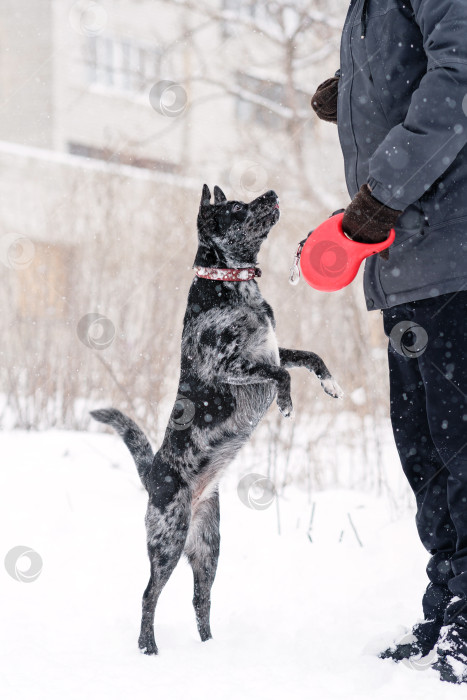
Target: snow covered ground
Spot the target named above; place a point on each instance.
(290, 617)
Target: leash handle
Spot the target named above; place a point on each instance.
(294, 276)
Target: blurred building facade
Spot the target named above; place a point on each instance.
(150, 92)
(93, 79)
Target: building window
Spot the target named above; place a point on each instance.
(249, 112)
(246, 8)
(122, 64)
(121, 157)
(44, 286)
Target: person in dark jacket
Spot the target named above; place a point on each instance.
(400, 103)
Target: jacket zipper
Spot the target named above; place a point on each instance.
(363, 34)
(353, 9)
(364, 18)
(364, 22)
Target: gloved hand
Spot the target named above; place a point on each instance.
(367, 220)
(324, 101)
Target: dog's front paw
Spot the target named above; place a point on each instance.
(285, 405)
(332, 388)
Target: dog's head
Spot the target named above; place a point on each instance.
(231, 232)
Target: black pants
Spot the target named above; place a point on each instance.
(428, 380)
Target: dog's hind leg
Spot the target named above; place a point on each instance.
(313, 363)
(166, 531)
(202, 550)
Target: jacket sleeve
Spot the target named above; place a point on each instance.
(435, 128)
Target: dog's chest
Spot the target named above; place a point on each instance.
(270, 343)
(229, 334)
(261, 341)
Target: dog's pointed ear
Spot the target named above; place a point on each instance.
(219, 196)
(205, 197)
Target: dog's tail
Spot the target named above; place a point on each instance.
(133, 437)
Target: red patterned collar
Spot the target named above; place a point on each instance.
(229, 274)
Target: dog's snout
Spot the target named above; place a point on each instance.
(271, 195)
(268, 198)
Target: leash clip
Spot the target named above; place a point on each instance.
(294, 276)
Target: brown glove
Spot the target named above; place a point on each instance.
(367, 220)
(324, 101)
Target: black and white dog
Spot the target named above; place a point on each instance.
(231, 371)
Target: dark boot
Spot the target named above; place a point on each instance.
(418, 643)
(452, 654)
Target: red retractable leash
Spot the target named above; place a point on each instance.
(328, 259)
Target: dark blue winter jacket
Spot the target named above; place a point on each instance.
(402, 119)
